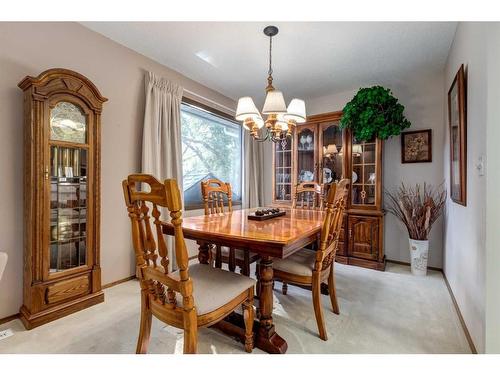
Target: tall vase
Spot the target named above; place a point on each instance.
(419, 251)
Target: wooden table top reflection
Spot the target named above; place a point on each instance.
(276, 237)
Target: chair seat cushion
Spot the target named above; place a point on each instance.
(299, 263)
(214, 287)
(238, 253)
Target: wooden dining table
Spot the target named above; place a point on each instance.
(274, 238)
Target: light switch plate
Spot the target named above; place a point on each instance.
(6, 333)
(480, 165)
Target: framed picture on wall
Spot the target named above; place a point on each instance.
(416, 146)
(457, 119)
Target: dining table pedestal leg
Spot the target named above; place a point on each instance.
(267, 338)
(204, 252)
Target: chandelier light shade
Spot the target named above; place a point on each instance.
(280, 120)
(296, 111)
(246, 109)
(275, 103)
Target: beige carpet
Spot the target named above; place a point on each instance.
(381, 312)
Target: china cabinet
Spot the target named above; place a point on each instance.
(320, 151)
(62, 111)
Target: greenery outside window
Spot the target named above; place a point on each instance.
(211, 148)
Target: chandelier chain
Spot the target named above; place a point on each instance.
(270, 72)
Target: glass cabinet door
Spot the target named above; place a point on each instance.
(68, 187)
(331, 149)
(306, 155)
(364, 173)
(283, 170)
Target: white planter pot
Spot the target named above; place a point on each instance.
(419, 251)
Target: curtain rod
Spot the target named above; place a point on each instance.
(231, 110)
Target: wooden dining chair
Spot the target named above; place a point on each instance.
(308, 195)
(191, 297)
(310, 268)
(217, 198)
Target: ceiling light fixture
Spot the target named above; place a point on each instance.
(280, 120)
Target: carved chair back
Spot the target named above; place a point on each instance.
(216, 194)
(308, 195)
(151, 253)
(335, 206)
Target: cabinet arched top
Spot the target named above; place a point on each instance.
(64, 81)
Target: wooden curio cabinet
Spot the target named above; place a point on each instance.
(62, 119)
(322, 152)
(365, 221)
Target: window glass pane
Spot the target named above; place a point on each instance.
(211, 148)
(67, 123)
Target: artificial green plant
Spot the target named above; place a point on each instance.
(374, 112)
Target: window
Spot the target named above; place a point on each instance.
(211, 148)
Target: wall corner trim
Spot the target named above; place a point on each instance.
(8, 318)
(114, 283)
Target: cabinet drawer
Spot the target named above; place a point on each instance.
(67, 289)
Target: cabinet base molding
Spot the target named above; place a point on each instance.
(117, 282)
(31, 321)
(374, 265)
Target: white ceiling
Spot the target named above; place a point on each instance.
(310, 59)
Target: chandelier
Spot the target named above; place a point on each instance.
(280, 120)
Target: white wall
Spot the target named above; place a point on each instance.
(424, 105)
(492, 184)
(118, 72)
(472, 258)
(465, 230)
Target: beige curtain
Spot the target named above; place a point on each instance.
(161, 139)
(254, 172)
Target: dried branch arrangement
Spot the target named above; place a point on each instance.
(417, 208)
